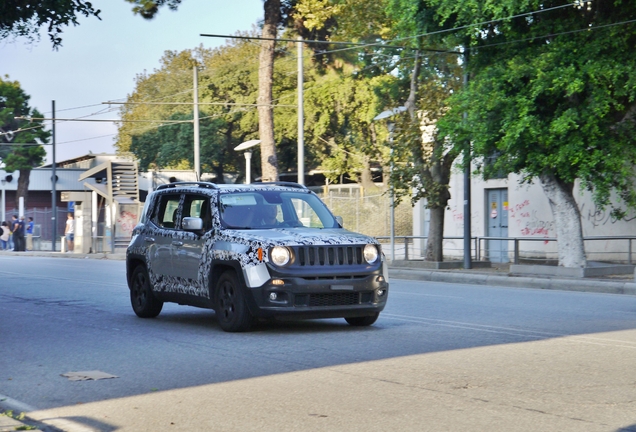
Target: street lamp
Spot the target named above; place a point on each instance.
(247, 145)
(391, 126)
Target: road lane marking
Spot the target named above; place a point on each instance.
(392, 291)
(60, 279)
(533, 334)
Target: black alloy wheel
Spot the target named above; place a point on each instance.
(143, 301)
(231, 310)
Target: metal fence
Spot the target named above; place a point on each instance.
(43, 222)
(367, 214)
(519, 248)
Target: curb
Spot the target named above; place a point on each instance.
(562, 284)
(8, 423)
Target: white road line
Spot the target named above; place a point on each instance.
(512, 331)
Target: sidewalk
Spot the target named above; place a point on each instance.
(499, 275)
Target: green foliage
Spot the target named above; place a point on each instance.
(148, 8)
(14, 102)
(27, 16)
(549, 102)
(228, 88)
(339, 112)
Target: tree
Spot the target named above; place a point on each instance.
(339, 112)
(18, 149)
(26, 17)
(228, 90)
(552, 97)
(427, 77)
(269, 162)
(422, 158)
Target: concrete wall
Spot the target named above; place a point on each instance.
(529, 215)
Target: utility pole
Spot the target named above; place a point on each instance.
(53, 181)
(197, 161)
(467, 228)
(301, 119)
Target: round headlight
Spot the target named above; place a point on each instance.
(370, 253)
(280, 255)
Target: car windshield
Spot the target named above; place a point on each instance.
(274, 209)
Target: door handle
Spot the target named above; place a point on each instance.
(149, 240)
(177, 243)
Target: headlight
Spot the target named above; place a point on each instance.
(370, 253)
(280, 255)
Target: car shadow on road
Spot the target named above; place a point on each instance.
(206, 319)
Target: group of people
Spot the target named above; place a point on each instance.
(17, 235)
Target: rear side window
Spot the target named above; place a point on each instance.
(166, 215)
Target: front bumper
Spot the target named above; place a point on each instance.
(319, 297)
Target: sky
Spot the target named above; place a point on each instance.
(98, 62)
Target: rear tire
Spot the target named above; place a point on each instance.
(142, 299)
(363, 321)
(231, 309)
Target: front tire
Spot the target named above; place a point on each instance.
(143, 301)
(231, 309)
(363, 321)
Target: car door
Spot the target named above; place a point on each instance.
(189, 250)
(160, 244)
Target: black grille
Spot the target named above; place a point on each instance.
(328, 255)
(334, 299)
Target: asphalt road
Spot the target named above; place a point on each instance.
(442, 357)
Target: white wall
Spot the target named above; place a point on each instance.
(529, 215)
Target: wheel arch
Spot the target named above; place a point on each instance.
(219, 267)
(131, 264)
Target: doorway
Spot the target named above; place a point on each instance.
(497, 224)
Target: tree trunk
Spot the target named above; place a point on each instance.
(23, 187)
(435, 242)
(269, 162)
(366, 177)
(567, 221)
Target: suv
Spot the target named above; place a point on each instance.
(261, 250)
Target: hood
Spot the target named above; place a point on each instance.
(302, 236)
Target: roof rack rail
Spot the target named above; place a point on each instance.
(185, 183)
(283, 183)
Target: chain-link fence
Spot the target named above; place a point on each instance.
(42, 219)
(367, 214)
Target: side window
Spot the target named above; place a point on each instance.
(306, 214)
(198, 206)
(166, 214)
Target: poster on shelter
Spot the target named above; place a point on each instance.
(127, 218)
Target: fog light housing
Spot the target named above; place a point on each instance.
(273, 296)
(381, 292)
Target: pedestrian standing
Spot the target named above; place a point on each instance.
(4, 235)
(69, 232)
(18, 234)
(29, 234)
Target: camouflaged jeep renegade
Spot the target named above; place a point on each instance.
(263, 250)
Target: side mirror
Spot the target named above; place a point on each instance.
(192, 224)
(340, 221)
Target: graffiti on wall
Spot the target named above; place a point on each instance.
(531, 222)
(457, 214)
(600, 217)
